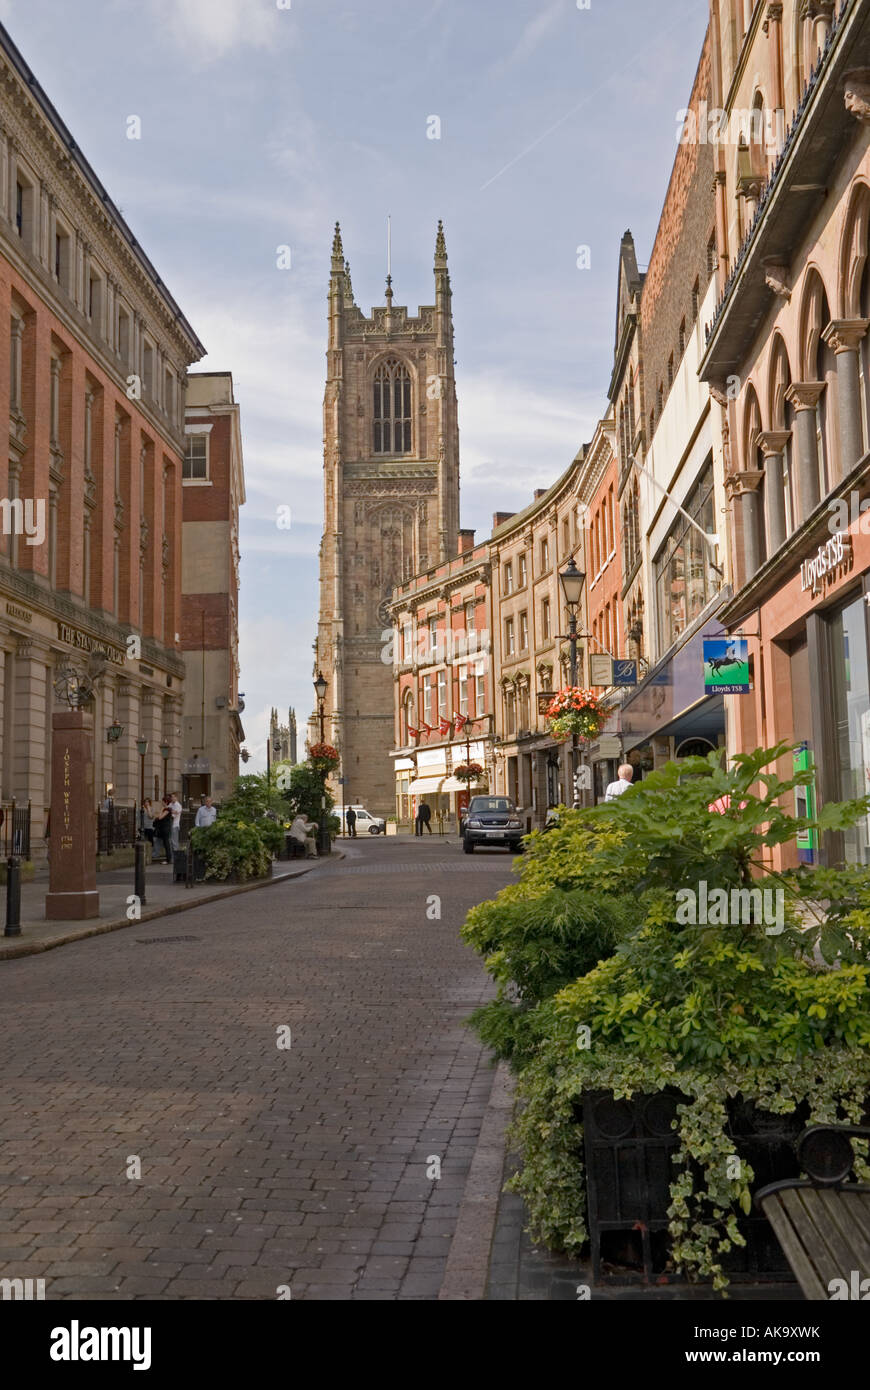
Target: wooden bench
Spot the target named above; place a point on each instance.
(822, 1222)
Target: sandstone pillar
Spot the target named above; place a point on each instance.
(772, 444)
(73, 870)
(804, 396)
(844, 336)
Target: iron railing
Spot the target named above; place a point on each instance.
(15, 829)
(116, 828)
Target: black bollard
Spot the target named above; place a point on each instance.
(13, 897)
(139, 871)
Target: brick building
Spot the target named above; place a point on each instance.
(213, 487)
(91, 409)
(788, 336)
(671, 468)
(443, 682)
(391, 502)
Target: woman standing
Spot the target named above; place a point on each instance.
(163, 829)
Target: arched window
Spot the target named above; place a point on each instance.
(407, 717)
(392, 408)
(781, 418)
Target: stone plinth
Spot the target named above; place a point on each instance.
(73, 869)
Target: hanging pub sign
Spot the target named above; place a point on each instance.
(600, 669)
(624, 672)
(726, 666)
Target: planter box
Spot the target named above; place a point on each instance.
(392, 828)
(629, 1145)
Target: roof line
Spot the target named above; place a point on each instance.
(86, 169)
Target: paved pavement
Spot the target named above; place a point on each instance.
(310, 1166)
(162, 895)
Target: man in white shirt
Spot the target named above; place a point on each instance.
(207, 813)
(624, 775)
(175, 808)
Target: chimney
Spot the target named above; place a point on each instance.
(466, 541)
(539, 492)
(499, 518)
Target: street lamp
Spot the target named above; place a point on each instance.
(114, 731)
(572, 581)
(321, 685)
(164, 753)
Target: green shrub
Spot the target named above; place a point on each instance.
(713, 1009)
(232, 847)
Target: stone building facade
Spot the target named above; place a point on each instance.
(789, 337)
(443, 683)
(391, 502)
(92, 384)
(213, 490)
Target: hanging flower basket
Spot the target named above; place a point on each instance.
(468, 772)
(575, 711)
(324, 756)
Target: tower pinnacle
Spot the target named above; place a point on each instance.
(440, 248)
(337, 250)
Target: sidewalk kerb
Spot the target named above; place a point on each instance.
(467, 1269)
(33, 948)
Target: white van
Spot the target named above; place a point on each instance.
(365, 821)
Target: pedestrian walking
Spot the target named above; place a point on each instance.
(175, 808)
(624, 775)
(424, 817)
(350, 818)
(163, 830)
(146, 821)
(207, 813)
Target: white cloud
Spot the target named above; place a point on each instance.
(208, 29)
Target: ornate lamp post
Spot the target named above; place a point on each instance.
(321, 685)
(572, 581)
(114, 731)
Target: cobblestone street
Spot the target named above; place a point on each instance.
(261, 1165)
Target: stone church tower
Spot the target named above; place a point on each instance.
(391, 504)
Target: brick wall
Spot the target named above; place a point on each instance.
(679, 254)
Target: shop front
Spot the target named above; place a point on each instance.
(670, 715)
(812, 686)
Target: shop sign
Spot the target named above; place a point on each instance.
(726, 666)
(194, 766)
(624, 672)
(600, 669)
(74, 637)
(820, 568)
(21, 614)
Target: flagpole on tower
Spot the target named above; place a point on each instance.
(389, 294)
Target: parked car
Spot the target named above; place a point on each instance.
(375, 825)
(491, 820)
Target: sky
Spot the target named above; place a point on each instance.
(265, 121)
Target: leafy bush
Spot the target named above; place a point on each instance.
(233, 847)
(303, 792)
(712, 1009)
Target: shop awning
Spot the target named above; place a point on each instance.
(404, 765)
(453, 784)
(425, 784)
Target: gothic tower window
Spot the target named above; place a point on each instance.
(392, 408)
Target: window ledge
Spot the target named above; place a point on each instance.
(197, 482)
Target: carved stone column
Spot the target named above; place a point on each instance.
(844, 336)
(804, 396)
(772, 444)
(821, 12)
(773, 28)
(742, 489)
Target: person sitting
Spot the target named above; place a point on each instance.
(304, 831)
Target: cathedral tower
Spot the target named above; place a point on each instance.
(391, 503)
